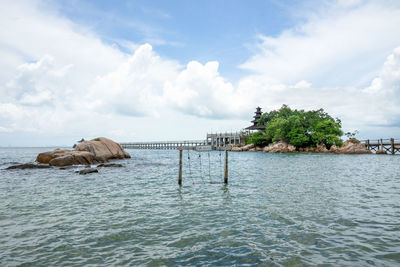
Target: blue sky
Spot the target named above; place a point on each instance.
(188, 30)
(170, 70)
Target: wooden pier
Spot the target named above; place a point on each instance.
(223, 141)
(383, 146)
(164, 144)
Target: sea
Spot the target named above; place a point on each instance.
(276, 210)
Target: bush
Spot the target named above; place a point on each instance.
(257, 138)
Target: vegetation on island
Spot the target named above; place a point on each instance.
(299, 128)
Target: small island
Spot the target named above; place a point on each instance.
(289, 130)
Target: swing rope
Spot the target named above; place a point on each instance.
(220, 163)
(201, 169)
(190, 169)
(209, 166)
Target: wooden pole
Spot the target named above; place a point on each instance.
(180, 168)
(226, 168)
(392, 145)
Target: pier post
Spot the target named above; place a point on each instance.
(392, 145)
(226, 167)
(180, 168)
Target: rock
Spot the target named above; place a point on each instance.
(110, 165)
(87, 170)
(259, 148)
(333, 149)
(279, 147)
(62, 158)
(252, 150)
(45, 157)
(321, 148)
(27, 166)
(103, 148)
(236, 149)
(381, 152)
(352, 146)
(98, 150)
(247, 147)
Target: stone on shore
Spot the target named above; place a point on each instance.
(247, 147)
(321, 148)
(236, 149)
(351, 146)
(280, 147)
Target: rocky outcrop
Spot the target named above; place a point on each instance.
(236, 149)
(98, 150)
(352, 146)
(247, 147)
(103, 148)
(279, 147)
(62, 158)
(321, 148)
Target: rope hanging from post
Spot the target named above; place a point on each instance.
(209, 166)
(190, 168)
(201, 169)
(220, 163)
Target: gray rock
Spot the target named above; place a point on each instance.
(107, 165)
(27, 166)
(87, 170)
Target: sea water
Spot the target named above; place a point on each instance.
(277, 210)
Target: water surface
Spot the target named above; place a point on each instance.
(278, 210)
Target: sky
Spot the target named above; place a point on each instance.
(177, 70)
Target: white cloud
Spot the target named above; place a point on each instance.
(337, 47)
(56, 78)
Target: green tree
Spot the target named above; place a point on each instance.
(258, 139)
(300, 128)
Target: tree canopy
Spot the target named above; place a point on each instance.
(299, 128)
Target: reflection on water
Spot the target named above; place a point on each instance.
(277, 210)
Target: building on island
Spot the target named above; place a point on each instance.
(256, 127)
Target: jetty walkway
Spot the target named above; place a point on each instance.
(217, 141)
(224, 141)
(164, 144)
(388, 146)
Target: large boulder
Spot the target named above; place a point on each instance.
(247, 147)
(351, 146)
(279, 147)
(62, 158)
(321, 148)
(98, 150)
(236, 149)
(103, 148)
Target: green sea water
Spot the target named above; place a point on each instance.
(277, 210)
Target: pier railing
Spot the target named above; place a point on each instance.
(163, 144)
(389, 145)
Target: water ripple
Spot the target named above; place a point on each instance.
(278, 210)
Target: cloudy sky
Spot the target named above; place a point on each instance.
(170, 70)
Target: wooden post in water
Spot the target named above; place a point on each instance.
(180, 168)
(392, 145)
(226, 167)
